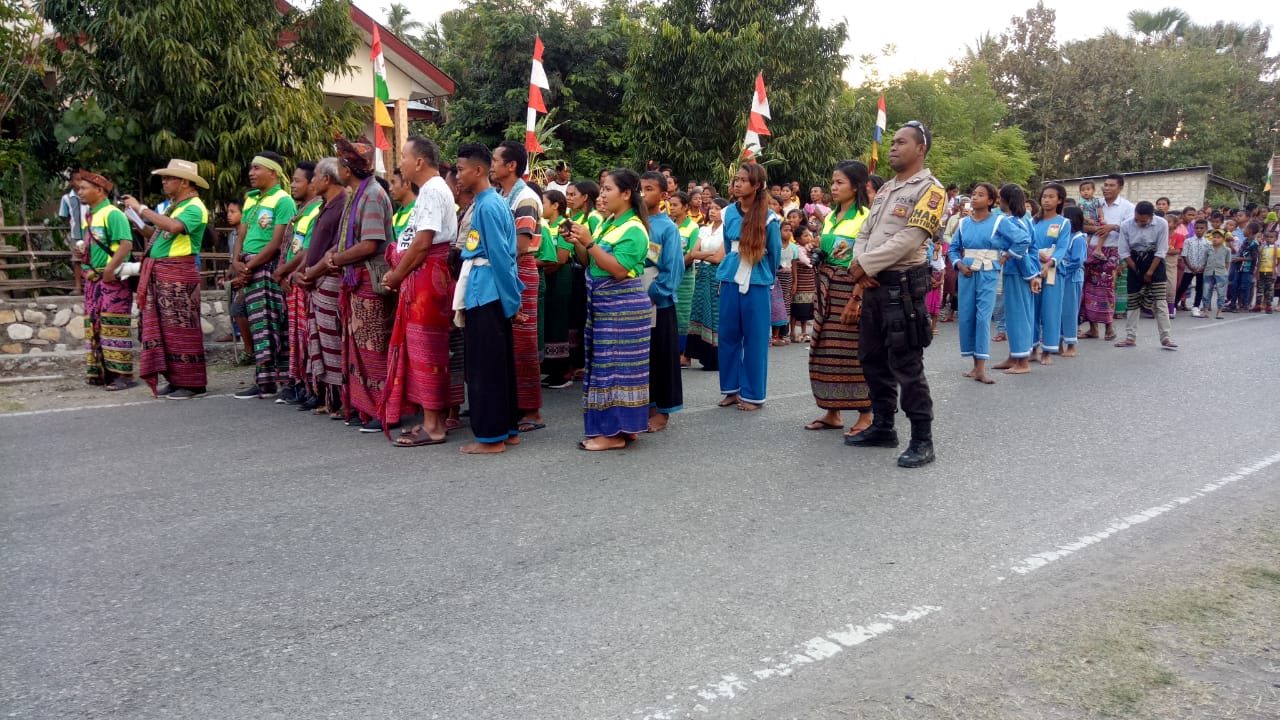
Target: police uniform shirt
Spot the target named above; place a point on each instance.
(904, 216)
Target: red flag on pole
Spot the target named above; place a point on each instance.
(537, 83)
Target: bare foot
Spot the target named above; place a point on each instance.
(658, 423)
(1034, 356)
(972, 373)
(1046, 359)
(630, 437)
(1069, 352)
(729, 400)
(512, 440)
(1008, 363)
(597, 444)
(479, 448)
(864, 422)
(984, 379)
(1016, 370)
(748, 407)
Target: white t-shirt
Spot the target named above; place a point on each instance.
(562, 187)
(433, 210)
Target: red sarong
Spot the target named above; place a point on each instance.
(418, 355)
(366, 333)
(172, 338)
(525, 337)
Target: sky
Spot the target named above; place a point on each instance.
(930, 44)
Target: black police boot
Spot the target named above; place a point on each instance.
(879, 434)
(919, 451)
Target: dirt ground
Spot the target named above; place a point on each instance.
(1200, 641)
(72, 391)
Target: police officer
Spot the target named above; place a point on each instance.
(889, 264)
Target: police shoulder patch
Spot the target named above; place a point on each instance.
(927, 214)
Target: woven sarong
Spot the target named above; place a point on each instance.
(684, 301)
(298, 308)
(1100, 286)
(555, 314)
(268, 325)
(704, 318)
(324, 332)
(366, 333)
(171, 335)
(777, 306)
(418, 355)
(525, 338)
(835, 373)
(805, 294)
(615, 385)
(787, 280)
(108, 313)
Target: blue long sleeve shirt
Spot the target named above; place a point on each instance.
(975, 235)
(762, 273)
(666, 252)
(493, 238)
(1070, 255)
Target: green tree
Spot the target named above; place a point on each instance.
(214, 82)
(691, 75)
(1164, 25)
(28, 157)
(401, 25)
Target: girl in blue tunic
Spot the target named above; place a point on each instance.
(1021, 281)
(1069, 259)
(1051, 231)
(976, 248)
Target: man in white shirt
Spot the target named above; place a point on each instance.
(561, 180)
(418, 357)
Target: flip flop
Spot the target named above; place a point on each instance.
(451, 424)
(417, 439)
(822, 425)
(1168, 345)
(529, 426)
(1110, 337)
(120, 384)
(1126, 344)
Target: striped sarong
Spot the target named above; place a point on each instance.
(787, 279)
(418, 355)
(298, 308)
(108, 313)
(525, 338)
(366, 334)
(684, 301)
(805, 294)
(171, 334)
(777, 306)
(457, 367)
(1122, 293)
(1100, 286)
(704, 318)
(268, 325)
(324, 332)
(615, 384)
(835, 373)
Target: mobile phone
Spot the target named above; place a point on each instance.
(566, 228)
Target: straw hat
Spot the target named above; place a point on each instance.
(184, 169)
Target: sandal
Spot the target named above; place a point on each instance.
(1126, 344)
(1110, 336)
(119, 384)
(451, 424)
(525, 426)
(1091, 335)
(1168, 344)
(822, 425)
(420, 438)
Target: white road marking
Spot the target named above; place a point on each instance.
(1039, 560)
(813, 650)
(48, 411)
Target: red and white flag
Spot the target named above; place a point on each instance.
(537, 83)
(755, 121)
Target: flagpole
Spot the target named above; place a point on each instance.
(875, 143)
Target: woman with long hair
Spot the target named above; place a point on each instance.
(753, 245)
(553, 261)
(703, 341)
(1050, 231)
(1021, 281)
(678, 205)
(581, 198)
(615, 381)
(835, 374)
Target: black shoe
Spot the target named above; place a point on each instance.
(250, 393)
(185, 393)
(373, 426)
(287, 396)
(918, 454)
(873, 436)
(309, 402)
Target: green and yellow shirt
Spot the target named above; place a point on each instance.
(839, 232)
(400, 220)
(262, 213)
(194, 216)
(302, 228)
(625, 238)
(107, 225)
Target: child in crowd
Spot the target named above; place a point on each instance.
(1266, 272)
(806, 281)
(1195, 251)
(1215, 272)
(937, 265)
(1246, 264)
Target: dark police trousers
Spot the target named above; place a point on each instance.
(893, 335)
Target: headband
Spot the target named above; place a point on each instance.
(96, 179)
(269, 164)
(357, 156)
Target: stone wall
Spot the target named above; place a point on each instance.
(1182, 188)
(56, 324)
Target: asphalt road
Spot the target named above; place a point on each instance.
(234, 559)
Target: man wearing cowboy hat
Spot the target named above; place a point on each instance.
(172, 338)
